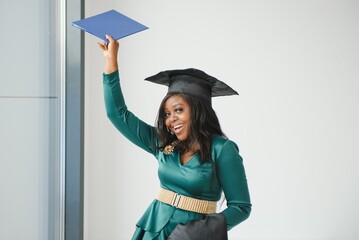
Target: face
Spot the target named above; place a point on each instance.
(177, 116)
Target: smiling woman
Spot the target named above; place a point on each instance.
(177, 114)
(295, 121)
(196, 161)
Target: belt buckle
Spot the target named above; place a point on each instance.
(176, 200)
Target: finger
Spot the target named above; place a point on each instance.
(110, 38)
(101, 46)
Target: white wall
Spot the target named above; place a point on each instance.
(296, 67)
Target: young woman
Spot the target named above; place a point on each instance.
(196, 161)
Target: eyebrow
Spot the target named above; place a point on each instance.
(177, 104)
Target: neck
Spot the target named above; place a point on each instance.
(194, 148)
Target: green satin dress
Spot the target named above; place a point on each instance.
(202, 181)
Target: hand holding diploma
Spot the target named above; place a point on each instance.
(110, 51)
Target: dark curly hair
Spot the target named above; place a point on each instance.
(204, 124)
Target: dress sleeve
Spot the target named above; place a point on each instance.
(134, 129)
(233, 180)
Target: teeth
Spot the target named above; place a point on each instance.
(177, 127)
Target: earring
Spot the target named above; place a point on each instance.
(168, 130)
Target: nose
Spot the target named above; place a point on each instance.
(172, 117)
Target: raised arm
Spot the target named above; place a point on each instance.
(134, 129)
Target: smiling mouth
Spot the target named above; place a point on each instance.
(177, 129)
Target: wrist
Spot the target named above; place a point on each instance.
(110, 69)
(110, 66)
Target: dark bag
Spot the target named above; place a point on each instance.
(211, 227)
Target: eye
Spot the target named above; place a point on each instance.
(179, 110)
(166, 114)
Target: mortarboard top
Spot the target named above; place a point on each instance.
(193, 82)
(111, 23)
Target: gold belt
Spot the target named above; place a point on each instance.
(186, 203)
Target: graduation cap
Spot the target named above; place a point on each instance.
(193, 82)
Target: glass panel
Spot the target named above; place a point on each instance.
(31, 122)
